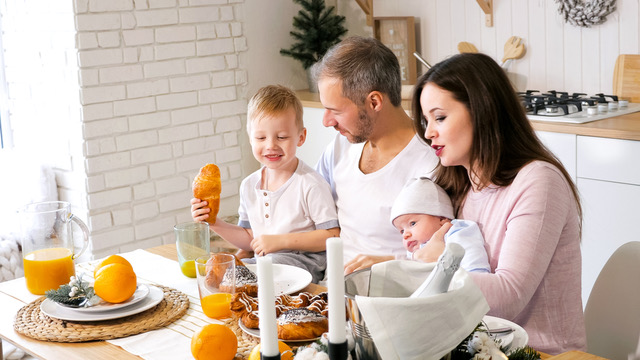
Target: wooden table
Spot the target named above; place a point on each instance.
(14, 295)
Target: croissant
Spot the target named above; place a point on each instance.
(207, 186)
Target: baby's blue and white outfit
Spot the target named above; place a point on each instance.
(466, 233)
(423, 196)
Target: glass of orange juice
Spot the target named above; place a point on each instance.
(216, 277)
(192, 241)
(47, 244)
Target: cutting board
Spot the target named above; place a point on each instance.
(626, 77)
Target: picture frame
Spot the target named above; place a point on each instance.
(398, 34)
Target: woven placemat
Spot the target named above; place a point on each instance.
(246, 342)
(31, 322)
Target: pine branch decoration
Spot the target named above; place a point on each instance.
(317, 29)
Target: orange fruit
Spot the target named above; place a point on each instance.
(113, 259)
(214, 341)
(115, 283)
(285, 352)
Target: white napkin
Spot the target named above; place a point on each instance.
(418, 328)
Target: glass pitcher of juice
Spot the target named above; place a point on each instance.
(48, 249)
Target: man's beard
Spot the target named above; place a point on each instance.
(364, 128)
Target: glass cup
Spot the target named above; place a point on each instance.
(47, 244)
(192, 241)
(216, 277)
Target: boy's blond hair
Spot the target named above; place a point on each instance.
(272, 100)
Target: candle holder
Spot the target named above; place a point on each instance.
(274, 357)
(338, 351)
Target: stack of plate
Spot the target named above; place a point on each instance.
(145, 297)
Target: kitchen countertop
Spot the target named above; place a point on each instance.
(626, 127)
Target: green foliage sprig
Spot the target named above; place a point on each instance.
(76, 293)
(318, 28)
(462, 351)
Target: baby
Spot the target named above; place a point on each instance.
(421, 209)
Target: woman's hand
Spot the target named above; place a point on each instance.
(266, 244)
(434, 247)
(364, 262)
(199, 211)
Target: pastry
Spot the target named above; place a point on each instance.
(319, 306)
(245, 308)
(207, 186)
(302, 300)
(246, 282)
(217, 268)
(301, 324)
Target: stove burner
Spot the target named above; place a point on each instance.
(559, 103)
(577, 108)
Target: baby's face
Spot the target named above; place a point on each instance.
(416, 229)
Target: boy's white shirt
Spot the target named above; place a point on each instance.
(303, 203)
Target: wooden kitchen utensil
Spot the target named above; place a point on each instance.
(513, 49)
(467, 47)
(626, 77)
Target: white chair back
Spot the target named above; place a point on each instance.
(612, 314)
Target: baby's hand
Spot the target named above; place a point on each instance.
(434, 247)
(199, 211)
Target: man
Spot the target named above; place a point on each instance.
(376, 152)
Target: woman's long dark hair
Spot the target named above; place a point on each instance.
(503, 139)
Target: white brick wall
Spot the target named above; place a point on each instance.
(138, 95)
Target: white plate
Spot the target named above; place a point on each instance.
(287, 278)
(516, 339)
(256, 333)
(141, 292)
(51, 308)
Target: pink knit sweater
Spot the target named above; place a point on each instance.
(531, 231)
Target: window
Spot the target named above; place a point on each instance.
(5, 129)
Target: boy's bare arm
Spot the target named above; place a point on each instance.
(314, 241)
(234, 234)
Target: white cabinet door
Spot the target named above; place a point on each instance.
(562, 146)
(609, 159)
(611, 219)
(318, 136)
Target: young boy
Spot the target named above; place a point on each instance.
(286, 209)
(421, 209)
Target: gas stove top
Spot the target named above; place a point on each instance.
(558, 106)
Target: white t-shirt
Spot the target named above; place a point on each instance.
(364, 200)
(303, 203)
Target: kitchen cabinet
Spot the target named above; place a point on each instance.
(610, 219)
(563, 146)
(609, 184)
(318, 136)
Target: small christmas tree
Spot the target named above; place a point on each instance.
(318, 29)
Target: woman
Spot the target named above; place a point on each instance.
(499, 175)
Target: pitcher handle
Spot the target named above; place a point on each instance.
(85, 233)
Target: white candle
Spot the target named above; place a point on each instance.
(267, 308)
(335, 282)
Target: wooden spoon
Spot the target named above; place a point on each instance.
(466, 47)
(513, 49)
